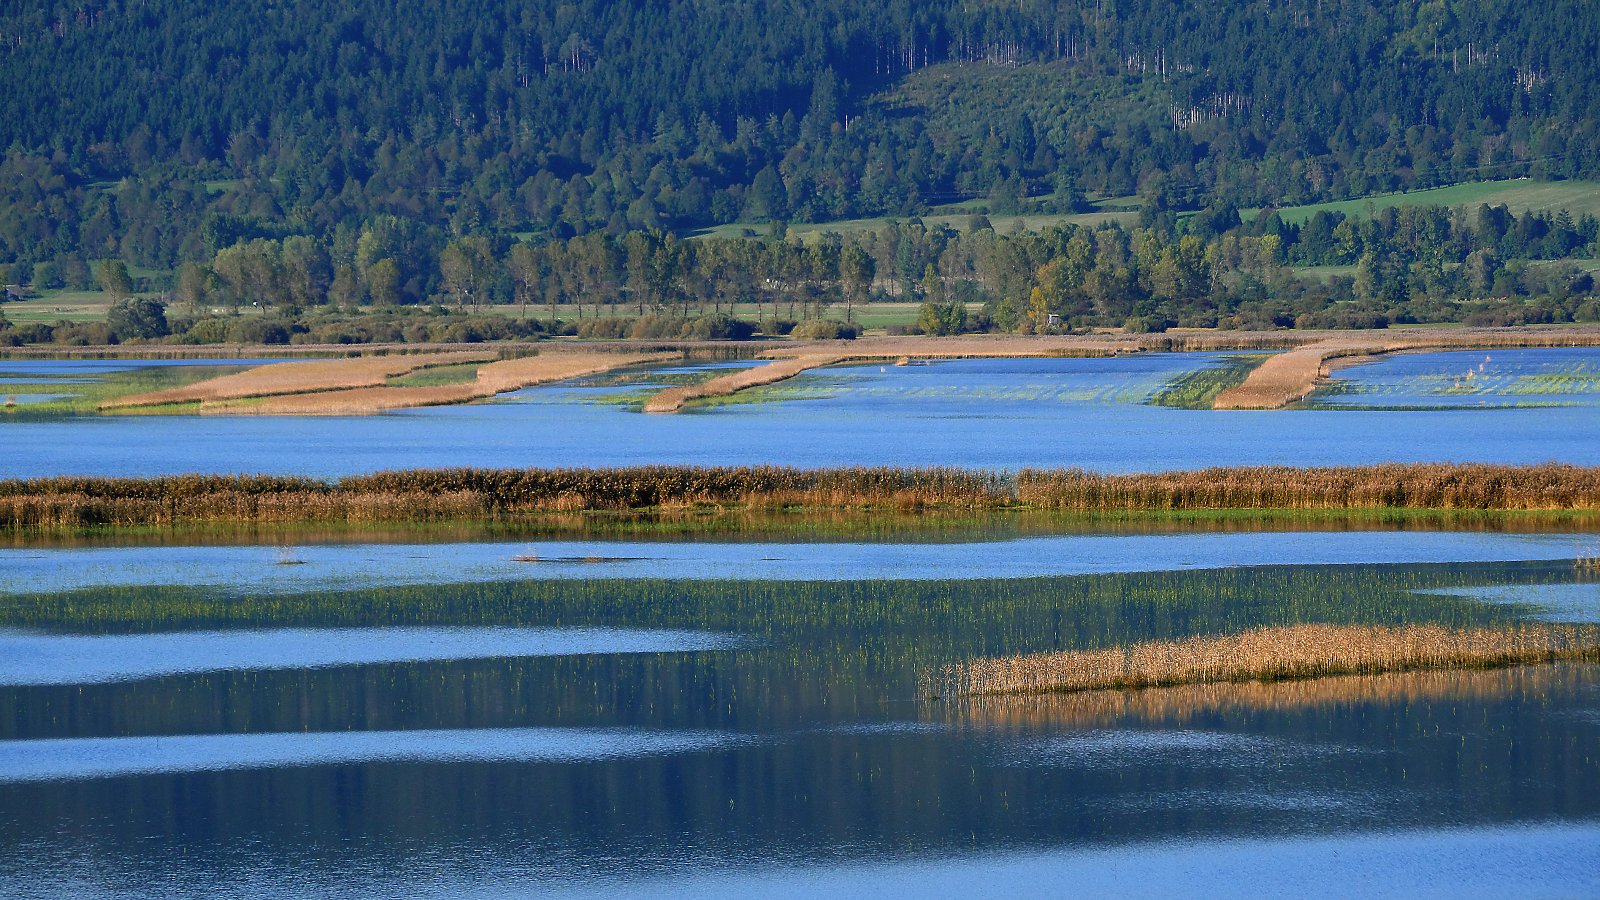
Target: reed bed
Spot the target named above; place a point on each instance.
(1195, 702)
(1268, 654)
(424, 495)
(298, 378)
(494, 378)
(1442, 486)
(673, 399)
(477, 493)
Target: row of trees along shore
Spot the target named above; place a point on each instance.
(1483, 266)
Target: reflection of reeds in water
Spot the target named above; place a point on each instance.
(1296, 651)
(1181, 704)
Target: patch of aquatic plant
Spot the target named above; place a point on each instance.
(1267, 654)
(1199, 389)
(462, 373)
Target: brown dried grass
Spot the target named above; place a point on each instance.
(404, 495)
(1472, 486)
(1296, 651)
(494, 378)
(299, 378)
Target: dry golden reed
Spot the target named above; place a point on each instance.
(494, 378)
(299, 377)
(485, 493)
(1296, 651)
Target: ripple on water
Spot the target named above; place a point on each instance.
(1120, 748)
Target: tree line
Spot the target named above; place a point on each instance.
(1400, 265)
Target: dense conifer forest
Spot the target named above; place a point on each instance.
(457, 152)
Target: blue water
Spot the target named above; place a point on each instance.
(990, 414)
(741, 718)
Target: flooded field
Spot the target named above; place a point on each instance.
(1100, 414)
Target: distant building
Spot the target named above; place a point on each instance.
(15, 292)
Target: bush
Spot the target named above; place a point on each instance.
(776, 327)
(1152, 324)
(604, 329)
(258, 331)
(825, 330)
(717, 328)
(652, 327)
(82, 334)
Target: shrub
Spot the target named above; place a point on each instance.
(604, 329)
(717, 328)
(825, 330)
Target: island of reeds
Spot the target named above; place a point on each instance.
(501, 494)
(1267, 654)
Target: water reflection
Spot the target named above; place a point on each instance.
(79, 758)
(42, 659)
(799, 759)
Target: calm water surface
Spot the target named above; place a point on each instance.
(713, 737)
(987, 414)
(730, 718)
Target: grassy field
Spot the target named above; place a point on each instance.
(51, 307)
(1518, 194)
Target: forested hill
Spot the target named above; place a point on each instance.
(163, 130)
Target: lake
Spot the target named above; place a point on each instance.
(989, 414)
(413, 714)
(700, 736)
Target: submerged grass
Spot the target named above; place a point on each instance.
(1266, 654)
(674, 399)
(464, 494)
(1199, 389)
(85, 394)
